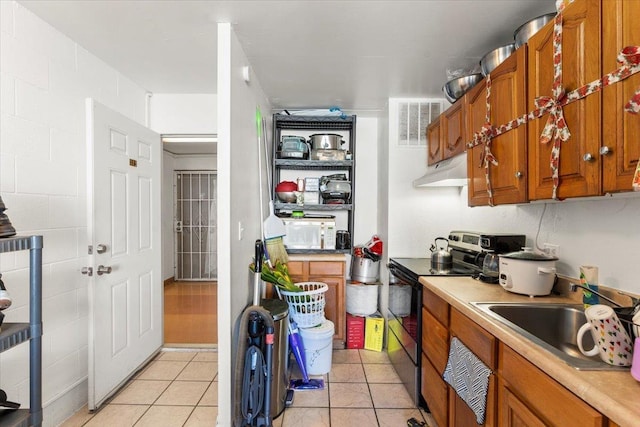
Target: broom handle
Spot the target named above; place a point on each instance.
(266, 157)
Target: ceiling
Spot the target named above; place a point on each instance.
(305, 54)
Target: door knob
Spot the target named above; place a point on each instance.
(103, 270)
(101, 248)
(588, 157)
(87, 270)
(605, 150)
(519, 174)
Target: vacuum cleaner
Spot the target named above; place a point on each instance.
(257, 376)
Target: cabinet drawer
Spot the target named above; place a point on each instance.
(436, 305)
(326, 268)
(547, 399)
(434, 391)
(296, 268)
(479, 341)
(435, 341)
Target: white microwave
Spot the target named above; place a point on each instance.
(310, 233)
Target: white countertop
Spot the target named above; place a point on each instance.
(614, 394)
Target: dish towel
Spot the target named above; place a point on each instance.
(469, 377)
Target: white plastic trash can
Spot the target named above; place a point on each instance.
(318, 347)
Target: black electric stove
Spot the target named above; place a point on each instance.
(468, 250)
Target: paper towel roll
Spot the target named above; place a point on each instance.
(589, 278)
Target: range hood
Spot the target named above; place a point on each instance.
(447, 173)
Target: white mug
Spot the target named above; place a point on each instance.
(611, 340)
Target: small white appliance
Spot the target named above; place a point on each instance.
(310, 233)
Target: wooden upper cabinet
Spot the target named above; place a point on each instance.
(621, 129)
(508, 101)
(453, 130)
(581, 64)
(434, 152)
(446, 135)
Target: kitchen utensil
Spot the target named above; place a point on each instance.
(495, 57)
(456, 88)
(527, 272)
(611, 340)
(626, 314)
(529, 28)
(285, 191)
(490, 268)
(441, 259)
(326, 141)
(343, 239)
(294, 147)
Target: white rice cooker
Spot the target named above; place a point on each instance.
(527, 272)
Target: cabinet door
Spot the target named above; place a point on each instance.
(460, 414)
(434, 391)
(434, 153)
(515, 413)
(580, 65)
(334, 308)
(435, 341)
(507, 101)
(545, 397)
(453, 130)
(620, 129)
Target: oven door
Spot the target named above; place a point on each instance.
(405, 324)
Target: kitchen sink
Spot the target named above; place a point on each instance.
(551, 326)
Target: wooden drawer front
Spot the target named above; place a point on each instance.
(479, 341)
(436, 305)
(296, 268)
(434, 391)
(551, 402)
(435, 341)
(326, 268)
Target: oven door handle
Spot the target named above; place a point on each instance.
(404, 277)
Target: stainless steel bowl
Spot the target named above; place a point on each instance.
(528, 29)
(456, 88)
(286, 196)
(496, 57)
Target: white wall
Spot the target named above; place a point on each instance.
(238, 202)
(603, 232)
(44, 80)
(178, 113)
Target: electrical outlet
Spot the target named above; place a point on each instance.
(552, 250)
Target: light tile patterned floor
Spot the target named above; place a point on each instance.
(180, 388)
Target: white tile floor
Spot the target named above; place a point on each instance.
(180, 388)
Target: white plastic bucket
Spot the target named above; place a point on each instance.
(362, 299)
(318, 347)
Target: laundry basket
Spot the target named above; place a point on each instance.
(306, 308)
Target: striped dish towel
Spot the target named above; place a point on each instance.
(469, 377)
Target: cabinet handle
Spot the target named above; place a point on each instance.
(605, 150)
(588, 157)
(519, 174)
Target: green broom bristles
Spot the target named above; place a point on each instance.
(276, 250)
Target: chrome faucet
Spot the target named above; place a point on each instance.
(634, 301)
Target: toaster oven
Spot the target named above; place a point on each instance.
(310, 233)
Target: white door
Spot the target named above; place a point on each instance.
(123, 229)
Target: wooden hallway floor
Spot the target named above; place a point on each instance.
(190, 313)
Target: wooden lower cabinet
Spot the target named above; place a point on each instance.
(435, 392)
(529, 397)
(460, 415)
(331, 273)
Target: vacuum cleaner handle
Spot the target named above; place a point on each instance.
(258, 256)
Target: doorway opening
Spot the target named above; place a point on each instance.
(190, 285)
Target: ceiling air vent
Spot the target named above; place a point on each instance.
(413, 118)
